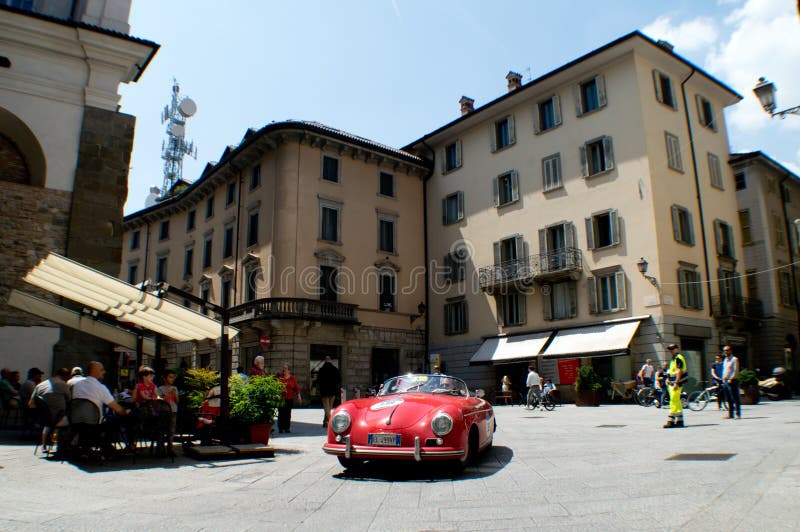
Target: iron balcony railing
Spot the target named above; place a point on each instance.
(736, 307)
(531, 268)
(294, 308)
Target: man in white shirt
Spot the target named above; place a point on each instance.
(533, 382)
(646, 373)
(92, 389)
(730, 380)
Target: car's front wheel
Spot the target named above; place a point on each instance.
(350, 463)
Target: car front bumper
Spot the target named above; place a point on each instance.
(418, 452)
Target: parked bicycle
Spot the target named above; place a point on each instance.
(648, 396)
(699, 399)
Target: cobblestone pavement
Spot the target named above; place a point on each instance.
(574, 468)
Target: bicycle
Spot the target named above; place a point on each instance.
(699, 399)
(543, 399)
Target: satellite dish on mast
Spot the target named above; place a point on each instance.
(176, 129)
(187, 107)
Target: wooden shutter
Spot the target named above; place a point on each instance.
(496, 191)
(493, 136)
(522, 307)
(690, 222)
(497, 256)
(600, 82)
(444, 211)
(698, 291)
(547, 302)
(519, 247)
(578, 100)
(718, 236)
(592, 290)
(443, 158)
(589, 232)
(683, 288)
(556, 110)
(584, 162)
(699, 101)
(613, 218)
(500, 304)
(569, 235)
(676, 223)
(657, 85)
(608, 148)
(536, 119)
(572, 289)
(458, 154)
(460, 205)
(512, 130)
(514, 185)
(619, 281)
(547, 172)
(729, 231)
(542, 241)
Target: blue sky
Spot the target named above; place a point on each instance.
(393, 70)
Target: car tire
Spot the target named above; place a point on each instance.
(350, 463)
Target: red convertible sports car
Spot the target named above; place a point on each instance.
(419, 417)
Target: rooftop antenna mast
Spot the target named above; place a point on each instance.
(175, 146)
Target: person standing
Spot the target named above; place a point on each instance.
(533, 382)
(730, 378)
(292, 391)
(258, 367)
(661, 383)
(676, 374)
(329, 380)
(169, 393)
(716, 379)
(646, 373)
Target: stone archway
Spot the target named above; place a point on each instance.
(22, 159)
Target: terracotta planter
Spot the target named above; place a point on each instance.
(587, 397)
(260, 433)
(750, 395)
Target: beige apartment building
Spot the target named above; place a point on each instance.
(543, 202)
(769, 214)
(313, 237)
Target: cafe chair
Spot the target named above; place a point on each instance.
(44, 418)
(85, 436)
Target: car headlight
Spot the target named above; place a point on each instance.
(340, 422)
(441, 424)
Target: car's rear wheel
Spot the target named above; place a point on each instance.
(350, 463)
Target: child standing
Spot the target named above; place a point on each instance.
(169, 393)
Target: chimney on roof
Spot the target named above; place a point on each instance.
(514, 80)
(467, 105)
(666, 45)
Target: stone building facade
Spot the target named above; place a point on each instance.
(64, 154)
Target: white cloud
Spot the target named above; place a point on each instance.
(688, 36)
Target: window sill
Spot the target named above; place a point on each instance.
(691, 308)
(384, 252)
(604, 248)
(386, 196)
(602, 172)
(331, 181)
(593, 111)
(549, 129)
(718, 187)
(553, 189)
(455, 333)
(688, 244)
(501, 205)
(709, 127)
(453, 222)
(507, 146)
(451, 170)
(678, 170)
(670, 107)
(335, 243)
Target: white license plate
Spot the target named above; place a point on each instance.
(388, 440)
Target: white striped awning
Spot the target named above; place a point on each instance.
(503, 349)
(608, 338)
(121, 300)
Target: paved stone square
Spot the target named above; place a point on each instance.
(573, 468)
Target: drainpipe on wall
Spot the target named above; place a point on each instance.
(237, 240)
(146, 249)
(697, 189)
(425, 244)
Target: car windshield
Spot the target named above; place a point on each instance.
(439, 384)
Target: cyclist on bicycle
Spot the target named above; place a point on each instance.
(533, 382)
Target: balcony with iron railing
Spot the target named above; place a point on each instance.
(294, 308)
(736, 307)
(547, 267)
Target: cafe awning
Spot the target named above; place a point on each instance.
(505, 349)
(608, 338)
(121, 300)
(78, 321)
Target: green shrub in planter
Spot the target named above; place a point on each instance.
(196, 382)
(747, 378)
(587, 379)
(254, 401)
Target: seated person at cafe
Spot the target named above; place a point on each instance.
(95, 391)
(548, 388)
(145, 387)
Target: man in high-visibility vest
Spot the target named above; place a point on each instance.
(676, 374)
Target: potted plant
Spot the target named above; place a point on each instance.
(587, 387)
(748, 384)
(253, 403)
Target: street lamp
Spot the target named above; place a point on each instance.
(765, 92)
(421, 308)
(642, 265)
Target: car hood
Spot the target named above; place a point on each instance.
(394, 412)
